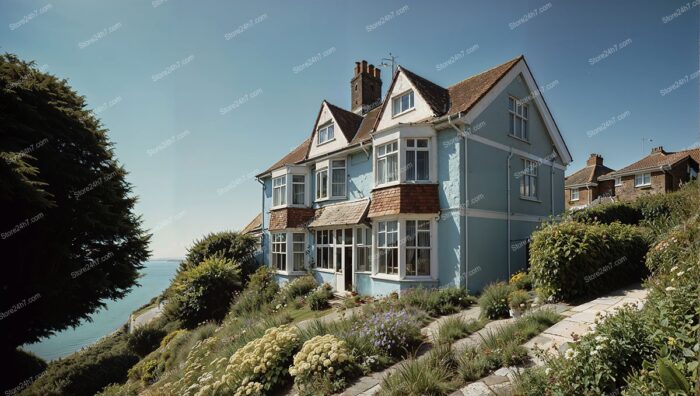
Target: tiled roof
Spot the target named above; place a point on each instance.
(295, 156)
(348, 122)
(437, 97)
(345, 213)
(254, 226)
(465, 94)
(658, 159)
(281, 219)
(404, 198)
(363, 133)
(589, 174)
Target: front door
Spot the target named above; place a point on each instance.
(343, 259)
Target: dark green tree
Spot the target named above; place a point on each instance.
(239, 248)
(69, 238)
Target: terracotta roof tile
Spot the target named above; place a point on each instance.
(348, 122)
(365, 129)
(254, 226)
(404, 198)
(589, 174)
(345, 213)
(281, 219)
(658, 159)
(438, 98)
(295, 156)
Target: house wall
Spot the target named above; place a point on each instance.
(339, 142)
(628, 192)
(451, 222)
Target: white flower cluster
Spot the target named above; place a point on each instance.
(320, 355)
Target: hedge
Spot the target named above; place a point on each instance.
(571, 259)
(623, 212)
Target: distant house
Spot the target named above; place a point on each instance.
(583, 187)
(429, 186)
(254, 229)
(658, 172)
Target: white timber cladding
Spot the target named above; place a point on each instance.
(338, 141)
(405, 246)
(421, 110)
(402, 134)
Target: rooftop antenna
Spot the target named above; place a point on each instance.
(390, 61)
(644, 140)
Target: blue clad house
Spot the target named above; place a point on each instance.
(428, 186)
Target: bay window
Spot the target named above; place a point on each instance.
(387, 163)
(338, 176)
(528, 180)
(517, 112)
(363, 250)
(322, 183)
(279, 191)
(417, 160)
(298, 249)
(417, 247)
(298, 189)
(388, 247)
(279, 251)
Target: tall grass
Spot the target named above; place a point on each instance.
(454, 328)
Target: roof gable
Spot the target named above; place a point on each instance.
(345, 127)
(427, 98)
(588, 174)
(657, 160)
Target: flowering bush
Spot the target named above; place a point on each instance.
(391, 332)
(521, 280)
(519, 300)
(322, 362)
(261, 362)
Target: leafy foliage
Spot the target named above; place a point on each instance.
(259, 292)
(321, 365)
(239, 248)
(437, 302)
(571, 260)
(145, 339)
(622, 212)
(494, 301)
(319, 299)
(67, 210)
(203, 292)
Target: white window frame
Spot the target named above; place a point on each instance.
(321, 186)
(574, 194)
(303, 189)
(518, 114)
(325, 134)
(529, 179)
(382, 161)
(618, 181)
(385, 247)
(336, 168)
(279, 191)
(645, 177)
(412, 244)
(298, 250)
(279, 251)
(398, 99)
(363, 248)
(412, 150)
(319, 237)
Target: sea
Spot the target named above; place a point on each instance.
(156, 277)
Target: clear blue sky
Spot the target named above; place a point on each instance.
(112, 51)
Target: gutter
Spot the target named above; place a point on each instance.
(466, 200)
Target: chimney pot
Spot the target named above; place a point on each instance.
(377, 73)
(364, 66)
(594, 159)
(659, 149)
(357, 68)
(370, 70)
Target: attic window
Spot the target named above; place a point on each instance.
(326, 134)
(518, 118)
(402, 103)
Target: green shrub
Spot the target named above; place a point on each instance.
(204, 292)
(622, 212)
(519, 300)
(145, 339)
(494, 301)
(322, 366)
(437, 302)
(89, 370)
(24, 368)
(299, 287)
(238, 248)
(418, 377)
(260, 290)
(319, 299)
(663, 211)
(571, 260)
(521, 280)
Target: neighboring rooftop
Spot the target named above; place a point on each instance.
(590, 173)
(657, 159)
(255, 225)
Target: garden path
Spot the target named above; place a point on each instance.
(578, 320)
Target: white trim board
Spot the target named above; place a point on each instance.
(496, 215)
(521, 153)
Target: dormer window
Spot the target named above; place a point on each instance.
(279, 191)
(402, 103)
(326, 134)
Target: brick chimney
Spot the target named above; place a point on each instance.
(365, 88)
(594, 159)
(659, 149)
